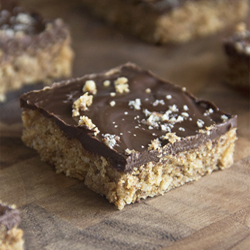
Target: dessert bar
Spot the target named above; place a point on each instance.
(10, 235)
(237, 49)
(163, 21)
(127, 133)
(31, 48)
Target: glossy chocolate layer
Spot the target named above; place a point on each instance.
(134, 124)
(9, 217)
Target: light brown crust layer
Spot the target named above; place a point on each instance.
(190, 20)
(151, 179)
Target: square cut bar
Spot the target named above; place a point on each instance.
(237, 49)
(31, 48)
(127, 133)
(163, 21)
(11, 237)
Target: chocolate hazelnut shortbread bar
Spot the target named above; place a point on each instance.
(237, 49)
(162, 21)
(11, 237)
(31, 49)
(127, 133)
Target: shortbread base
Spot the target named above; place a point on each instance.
(149, 180)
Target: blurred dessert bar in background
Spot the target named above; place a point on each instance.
(127, 133)
(237, 49)
(31, 48)
(11, 237)
(163, 21)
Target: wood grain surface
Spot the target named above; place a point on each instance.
(61, 213)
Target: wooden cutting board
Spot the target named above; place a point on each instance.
(61, 213)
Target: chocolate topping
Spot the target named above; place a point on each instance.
(129, 122)
(9, 217)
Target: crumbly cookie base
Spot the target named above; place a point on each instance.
(238, 75)
(54, 61)
(11, 239)
(192, 20)
(152, 179)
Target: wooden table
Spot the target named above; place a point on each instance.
(61, 213)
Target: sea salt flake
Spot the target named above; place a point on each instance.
(173, 108)
(165, 127)
(136, 104)
(106, 83)
(112, 103)
(185, 114)
(147, 113)
(157, 102)
(224, 118)
(200, 123)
